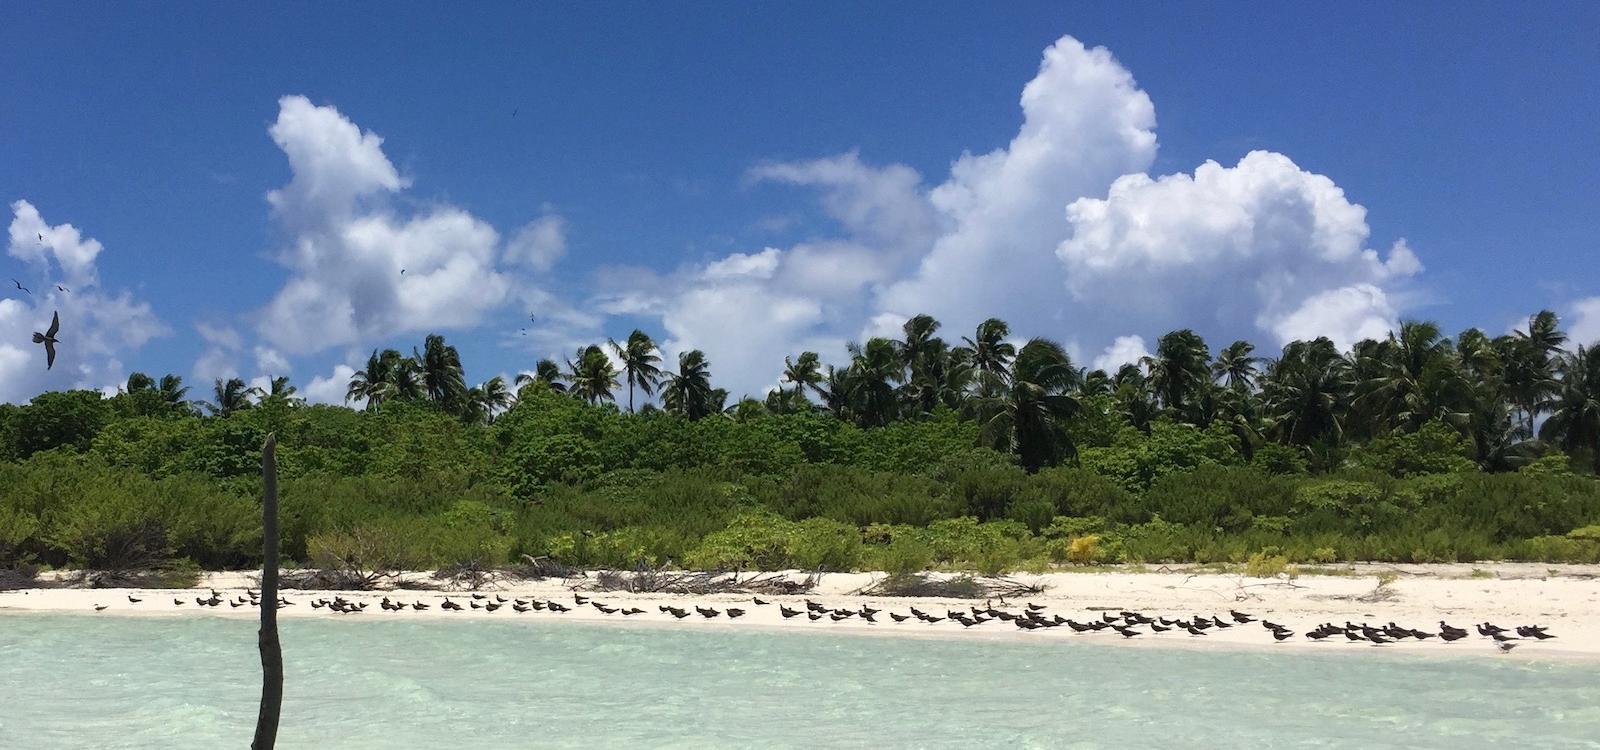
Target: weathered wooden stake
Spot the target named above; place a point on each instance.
(271, 649)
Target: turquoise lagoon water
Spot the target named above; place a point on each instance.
(79, 681)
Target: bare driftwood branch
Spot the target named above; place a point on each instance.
(663, 581)
(959, 587)
(271, 650)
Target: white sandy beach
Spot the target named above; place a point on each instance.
(1565, 599)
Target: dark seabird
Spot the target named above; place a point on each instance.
(1036, 607)
(837, 617)
(814, 616)
(930, 619)
(418, 606)
(48, 338)
(603, 609)
(1026, 624)
(786, 612)
(492, 607)
(1317, 635)
(732, 613)
(99, 607)
(521, 608)
(177, 602)
(1506, 646)
(1126, 632)
(633, 611)
(1279, 635)
(61, 288)
(580, 599)
(1451, 636)
(485, 596)
(1154, 628)
(865, 610)
(899, 618)
(758, 601)
(1219, 623)
(476, 605)
(707, 612)
(20, 286)
(133, 600)
(1533, 631)
(1240, 617)
(680, 614)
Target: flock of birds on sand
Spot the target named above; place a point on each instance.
(1031, 617)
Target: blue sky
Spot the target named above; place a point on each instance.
(757, 179)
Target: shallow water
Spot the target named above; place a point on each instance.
(76, 681)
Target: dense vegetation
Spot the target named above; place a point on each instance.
(917, 453)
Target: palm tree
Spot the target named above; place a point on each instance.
(1417, 379)
(990, 354)
(1095, 383)
(1028, 417)
(639, 361)
(1178, 370)
(371, 383)
(688, 391)
(279, 392)
(438, 366)
(232, 395)
(804, 372)
(835, 392)
(486, 401)
(875, 369)
(151, 398)
(547, 372)
(1574, 421)
(1529, 369)
(1235, 367)
(138, 382)
(592, 375)
(925, 358)
(1306, 394)
(173, 392)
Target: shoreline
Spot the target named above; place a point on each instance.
(1508, 594)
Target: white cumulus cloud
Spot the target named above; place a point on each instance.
(360, 269)
(1124, 350)
(1583, 323)
(1262, 246)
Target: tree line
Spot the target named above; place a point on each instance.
(977, 452)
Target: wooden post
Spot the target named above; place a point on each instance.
(271, 649)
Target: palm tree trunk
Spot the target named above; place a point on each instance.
(267, 640)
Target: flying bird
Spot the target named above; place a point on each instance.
(20, 286)
(62, 288)
(48, 338)
(41, 238)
